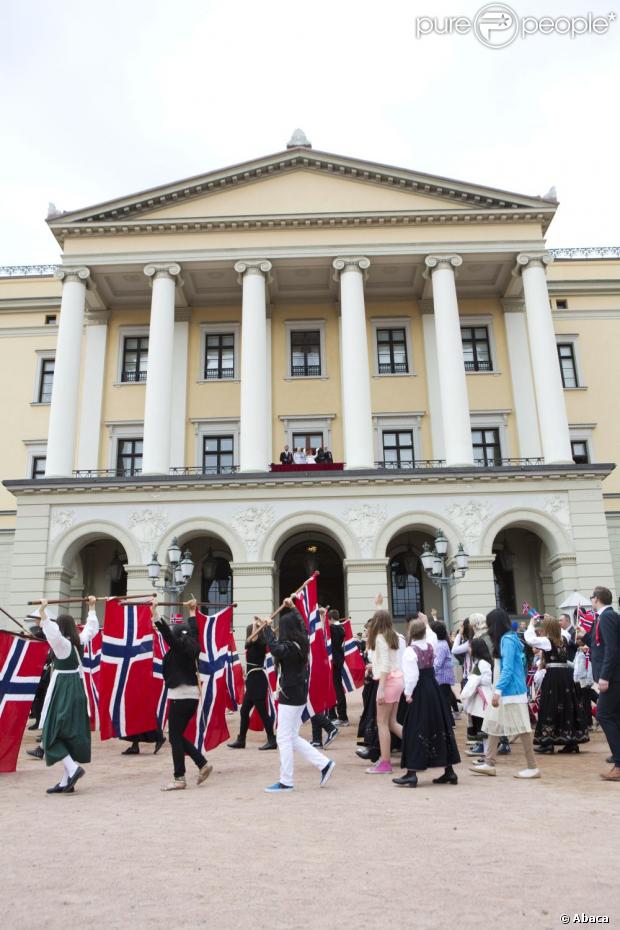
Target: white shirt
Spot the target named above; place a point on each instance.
(431, 637)
(310, 459)
(537, 642)
(299, 458)
(411, 670)
(61, 646)
(384, 659)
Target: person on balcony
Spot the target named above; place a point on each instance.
(299, 457)
(329, 460)
(310, 457)
(286, 457)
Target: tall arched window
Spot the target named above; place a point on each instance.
(217, 580)
(406, 585)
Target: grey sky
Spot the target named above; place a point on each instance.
(107, 97)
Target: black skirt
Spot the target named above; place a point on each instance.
(428, 738)
(560, 712)
(256, 686)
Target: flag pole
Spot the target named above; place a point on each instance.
(18, 624)
(280, 608)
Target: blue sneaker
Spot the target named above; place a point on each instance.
(504, 749)
(331, 736)
(326, 772)
(278, 786)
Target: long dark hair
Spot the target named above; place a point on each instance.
(498, 624)
(67, 627)
(291, 629)
(480, 650)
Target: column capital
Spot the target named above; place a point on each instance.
(350, 263)
(259, 266)
(426, 305)
(433, 262)
(513, 305)
(96, 317)
(529, 259)
(156, 270)
(77, 273)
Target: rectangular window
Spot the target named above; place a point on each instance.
(561, 304)
(135, 358)
(398, 449)
(46, 380)
(220, 356)
(568, 368)
(217, 455)
(476, 348)
(392, 352)
(312, 441)
(129, 458)
(579, 449)
(50, 319)
(37, 469)
(305, 353)
(486, 446)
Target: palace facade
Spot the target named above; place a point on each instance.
(416, 326)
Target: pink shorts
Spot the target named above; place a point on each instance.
(394, 686)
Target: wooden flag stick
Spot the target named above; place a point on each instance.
(263, 623)
(18, 624)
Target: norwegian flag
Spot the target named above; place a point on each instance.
(91, 663)
(209, 728)
(528, 611)
(160, 648)
(234, 676)
(321, 693)
(585, 619)
(128, 692)
(21, 666)
(353, 670)
(269, 669)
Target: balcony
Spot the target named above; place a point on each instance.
(219, 374)
(133, 377)
(305, 371)
(393, 368)
(478, 366)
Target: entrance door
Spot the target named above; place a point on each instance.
(301, 558)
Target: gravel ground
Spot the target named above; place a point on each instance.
(360, 852)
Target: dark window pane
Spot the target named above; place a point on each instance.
(217, 454)
(392, 352)
(476, 348)
(38, 466)
(305, 353)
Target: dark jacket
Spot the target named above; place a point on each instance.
(337, 635)
(286, 458)
(605, 654)
(179, 663)
(293, 669)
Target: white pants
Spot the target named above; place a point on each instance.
(289, 742)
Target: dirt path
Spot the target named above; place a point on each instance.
(360, 852)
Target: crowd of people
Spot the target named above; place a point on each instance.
(310, 456)
(547, 682)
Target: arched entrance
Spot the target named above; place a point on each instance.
(409, 588)
(518, 570)
(98, 567)
(304, 553)
(212, 580)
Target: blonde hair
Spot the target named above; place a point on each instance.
(416, 630)
(552, 630)
(381, 622)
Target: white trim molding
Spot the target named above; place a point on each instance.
(309, 423)
(34, 449)
(493, 419)
(122, 429)
(395, 422)
(488, 321)
(215, 426)
(223, 329)
(573, 340)
(42, 355)
(305, 325)
(582, 432)
(394, 322)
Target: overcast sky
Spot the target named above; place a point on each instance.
(107, 97)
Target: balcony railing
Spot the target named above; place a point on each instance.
(107, 472)
(219, 374)
(410, 465)
(478, 366)
(393, 368)
(205, 470)
(305, 371)
(133, 376)
(498, 463)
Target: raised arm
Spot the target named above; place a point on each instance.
(91, 627)
(460, 646)
(536, 641)
(59, 644)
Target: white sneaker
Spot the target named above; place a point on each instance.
(342, 723)
(528, 773)
(482, 768)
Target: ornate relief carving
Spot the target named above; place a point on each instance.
(557, 507)
(148, 526)
(61, 520)
(365, 521)
(252, 523)
(469, 519)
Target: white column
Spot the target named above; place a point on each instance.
(523, 397)
(354, 366)
(92, 390)
(432, 379)
(158, 400)
(449, 361)
(543, 348)
(63, 410)
(255, 415)
(179, 388)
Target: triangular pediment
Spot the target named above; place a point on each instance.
(301, 181)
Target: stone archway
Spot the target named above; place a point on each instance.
(303, 552)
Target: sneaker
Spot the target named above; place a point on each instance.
(177, 784)
(203, 774)
(504, 750)
(363, 753)
(316, 744)
(326, 772)
(527, 773)
(380, 768)
(476, 750)
(278, 786)
(341, 723)
(483, 768)
(331, 736)
(36, 753)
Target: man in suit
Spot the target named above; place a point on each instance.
(286, 457)
(568, 633)
(604, 642)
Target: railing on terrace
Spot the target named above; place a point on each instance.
(205, 470)
(106, 472)
(408, 465)
(498, 463)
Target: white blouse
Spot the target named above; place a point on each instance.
(61, 646)
(384, 659)
(411, 670)
(537, 642)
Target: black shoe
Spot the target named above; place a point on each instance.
(570, 747)
(60, 789)
(34, 726)
(237, 744)
(133, 750)
(410, 780)
(448, 778)
(544, 750)
(610, 760)
(77, 774)
(331, 736)
(270, 744)
(39, 738)
(363, 753)
(35, 753)
(159, 744)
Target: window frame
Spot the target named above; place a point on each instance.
(127, 332)
(308, 424)
(560, 346)
(473, 326)
(571, 339)
(210, 437)
(396, 423)
(395, 322)
(397, 433)
(213, 428)
(583, 432)
(122, 429)
(42, 356)
(219, 329)
(121, 473)
(292, 326)
(33, 466)
(498, 445)
(34, 449)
